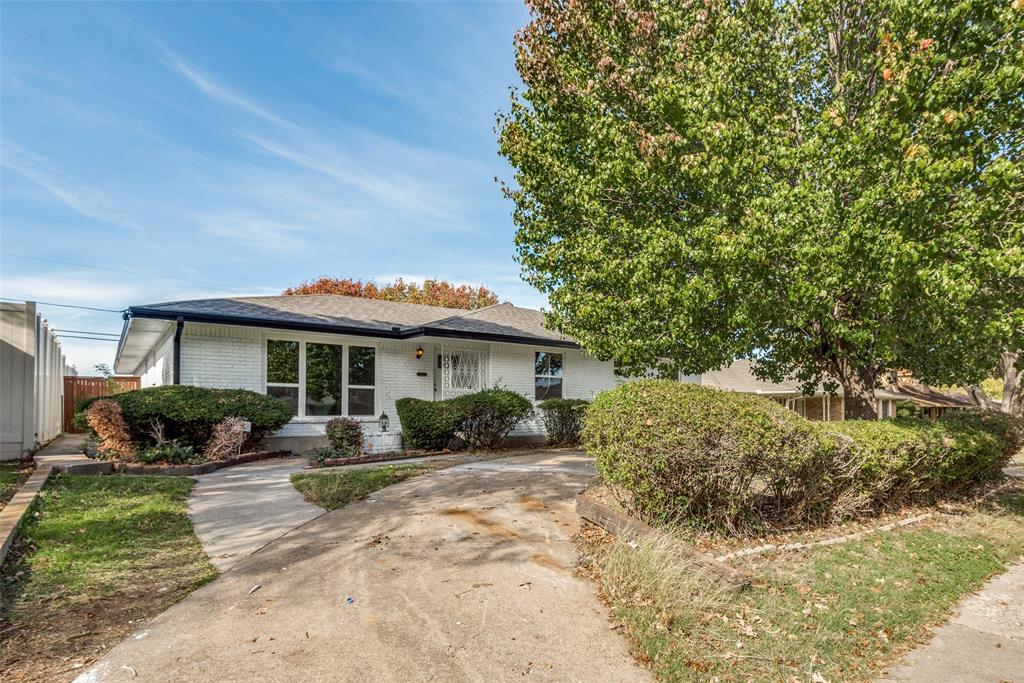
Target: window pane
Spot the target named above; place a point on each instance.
(324, 363)
(555, 364)
(287, 395)
(547, 387)
(540, 363)
(360, 365)
(282, 361)
(360, 401)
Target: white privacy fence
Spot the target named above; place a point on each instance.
(32, 371)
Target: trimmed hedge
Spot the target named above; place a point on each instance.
(563, 420)
(741, 463)
(189, 414)
(489, 415)
(430, 425)
(482, 419)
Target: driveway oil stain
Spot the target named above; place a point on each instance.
(530, 503)
(547, 561)
(474, 518)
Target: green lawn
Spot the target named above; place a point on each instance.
(332, 490)
(843, 612)
(97, 554)
(12, 473)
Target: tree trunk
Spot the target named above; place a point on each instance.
(859, 396)
(1013, 396)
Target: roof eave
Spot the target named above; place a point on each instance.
(352, 330)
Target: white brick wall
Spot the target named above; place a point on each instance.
(233, 357)
(159, 365)
(222, 357)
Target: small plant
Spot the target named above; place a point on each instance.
(227, 439)
(346, 436)
(107, 421)
(167, 452)
(563, 419)
(320, 456)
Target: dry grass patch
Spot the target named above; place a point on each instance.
(841, 613)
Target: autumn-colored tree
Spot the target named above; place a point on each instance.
(432, 293)
(832, 188)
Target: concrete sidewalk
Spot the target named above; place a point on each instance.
(984, 643)
(238, 510)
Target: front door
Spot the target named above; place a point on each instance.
(458, 372)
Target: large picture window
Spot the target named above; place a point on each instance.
(319, 379)
(547, 375)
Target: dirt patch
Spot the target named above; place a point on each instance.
(56, 641)
(476, 520)
(530, 503)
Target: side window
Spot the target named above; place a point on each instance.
(362, 372)
(547, 375)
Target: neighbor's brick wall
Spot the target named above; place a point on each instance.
(222, 357)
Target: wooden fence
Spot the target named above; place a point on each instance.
(78, 388)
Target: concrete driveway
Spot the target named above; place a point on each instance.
(464, 574)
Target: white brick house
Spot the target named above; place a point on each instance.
(327, 355)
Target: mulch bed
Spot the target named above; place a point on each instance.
(193, 470)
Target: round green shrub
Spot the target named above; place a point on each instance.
(714, 459)
(430, 425)
(189, 414)
(346, 436)
(489, 415)
(563, 420)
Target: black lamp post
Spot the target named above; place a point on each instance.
(384, 421)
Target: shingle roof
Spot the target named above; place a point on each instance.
(739, 376)
(346, 314)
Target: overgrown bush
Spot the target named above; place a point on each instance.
(715, 458)
(189, 414)
(430, 425)
(489, 415)
(106, 420)
(916, 460)
(741, 463)
(563, 419)
(346, 436)
(228, 438)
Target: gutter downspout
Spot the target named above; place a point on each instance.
(179, 327)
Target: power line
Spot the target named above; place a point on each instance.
(107, 334)
(73, 336)
(50, 303)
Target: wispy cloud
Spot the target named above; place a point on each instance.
(86, 200)
(215, 90)
(257, 232)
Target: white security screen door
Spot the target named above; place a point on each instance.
(463, 371)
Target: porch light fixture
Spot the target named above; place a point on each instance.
(384, 421)
(419, 352)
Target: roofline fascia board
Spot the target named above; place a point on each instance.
(395, 333)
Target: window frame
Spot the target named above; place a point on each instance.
(537, 376)
(345, 343)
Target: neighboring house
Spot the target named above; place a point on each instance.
(818, 406)
(327, 355)
(930, 401)
(32, 370)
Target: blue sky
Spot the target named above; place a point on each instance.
(233, 149)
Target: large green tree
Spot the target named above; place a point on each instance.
(834, 188)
